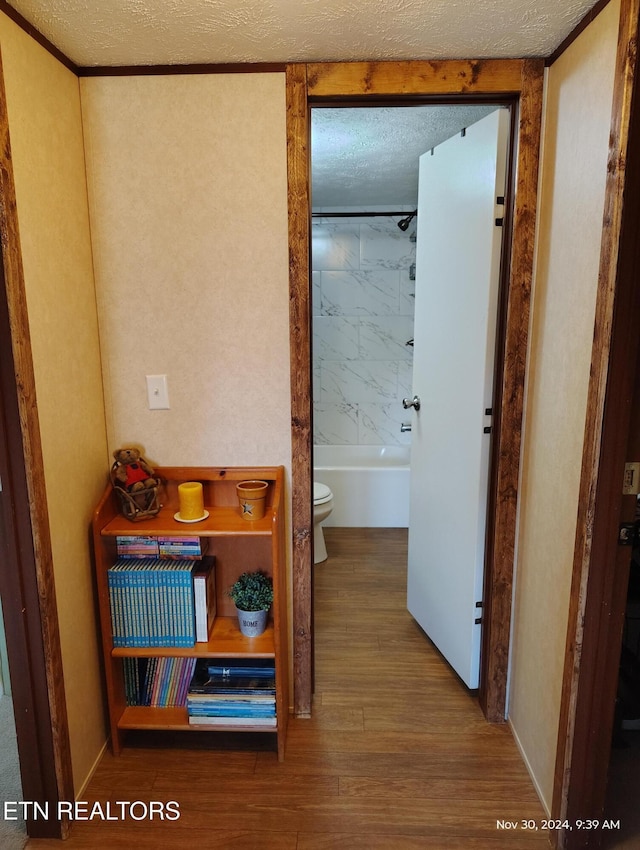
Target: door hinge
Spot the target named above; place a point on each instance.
(478, 620)
(488, 411)
(628, 533)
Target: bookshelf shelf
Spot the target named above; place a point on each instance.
(222, 521)
(142, 717)
(225, 641)
(238, 545)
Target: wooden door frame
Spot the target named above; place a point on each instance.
(26, 581)
(521, 81)
(598, 589)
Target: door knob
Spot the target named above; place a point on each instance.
(414, 402)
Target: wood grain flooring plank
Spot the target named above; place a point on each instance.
(92, 836)
(411, 764)
(399, 841)
(488, 788)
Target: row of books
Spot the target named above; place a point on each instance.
(146, 546)
(158, 682)
(236, 694)
(161, 603)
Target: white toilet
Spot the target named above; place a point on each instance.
(322, 507)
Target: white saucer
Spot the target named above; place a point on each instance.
(198, 519)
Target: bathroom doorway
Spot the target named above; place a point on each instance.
(517, 83)
(364, 170)
(364, 190)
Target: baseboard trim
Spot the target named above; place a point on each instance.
(80, 794)
(522, 752)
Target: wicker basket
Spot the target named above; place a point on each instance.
(139, 505)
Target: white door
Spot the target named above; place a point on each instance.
(457, 278)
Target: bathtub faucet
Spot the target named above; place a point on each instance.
(404, 427)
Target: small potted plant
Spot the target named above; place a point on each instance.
(253, 595)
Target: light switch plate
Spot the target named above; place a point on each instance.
(157, 392)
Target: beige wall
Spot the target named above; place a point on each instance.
(187, 179)
(188, 198)
(189, 204)
(574, 165)
(47, 146)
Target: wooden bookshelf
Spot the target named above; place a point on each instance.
(238, 545)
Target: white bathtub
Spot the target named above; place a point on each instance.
(370, 484)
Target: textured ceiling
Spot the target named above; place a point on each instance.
(134, 32)
(360, 157)
(368, 157)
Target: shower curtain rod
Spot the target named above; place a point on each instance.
(357, 214)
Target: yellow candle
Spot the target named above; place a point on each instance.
(191, 500)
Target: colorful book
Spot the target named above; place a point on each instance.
(204, 720)
(186, 548)
(263, 698)
(139, 546)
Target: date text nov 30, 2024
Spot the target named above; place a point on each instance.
(533, 825)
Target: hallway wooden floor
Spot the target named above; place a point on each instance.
(397, 755)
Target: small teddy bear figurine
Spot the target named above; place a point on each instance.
(131, 472)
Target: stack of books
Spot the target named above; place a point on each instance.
(145, 546)
(234, 694)
(158, 682)
(160, 603)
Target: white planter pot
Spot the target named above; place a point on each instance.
(252, 623)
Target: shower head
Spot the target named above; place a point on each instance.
(404, 223)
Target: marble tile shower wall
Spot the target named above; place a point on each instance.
(363, 307)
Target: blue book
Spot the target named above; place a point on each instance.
(237, 669)
(224, 711)
(163, 612)
(189, 605)
(151, 598)
(127, 605)
(115, 599)
(138, 602)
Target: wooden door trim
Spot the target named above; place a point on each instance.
(596, 608)
(520, 80)
(300, 352)
(27, 586)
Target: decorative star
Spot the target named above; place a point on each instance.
(247, 509)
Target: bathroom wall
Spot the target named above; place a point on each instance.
(363, 306)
